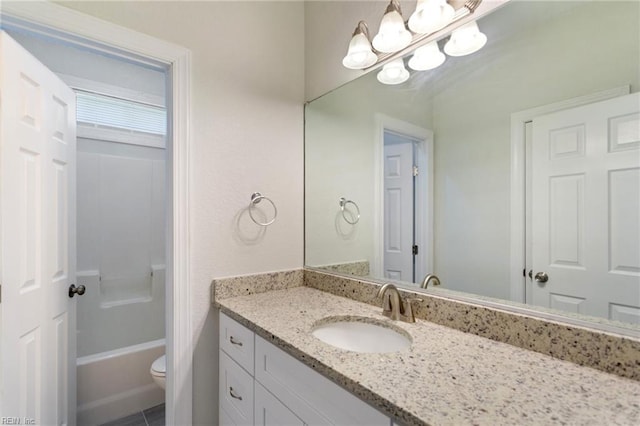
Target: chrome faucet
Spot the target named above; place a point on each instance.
(393, 306)
(428, 279)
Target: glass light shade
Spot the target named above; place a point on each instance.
(431, 16)
(360, 54)
(465, 40)
(393, 35)
(393, 73)
(427, 57)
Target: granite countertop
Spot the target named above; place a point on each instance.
(446, 377)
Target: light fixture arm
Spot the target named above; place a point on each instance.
(472, 5)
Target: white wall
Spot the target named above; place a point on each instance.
(247, 94)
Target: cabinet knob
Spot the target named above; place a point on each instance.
(234, 341)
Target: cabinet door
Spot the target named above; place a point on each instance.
(236, 393)
(313, 397)
(271, 412)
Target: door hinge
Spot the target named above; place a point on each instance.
(414, 249)
(415, 171)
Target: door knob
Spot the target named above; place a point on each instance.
(542, 277)
(73, 290)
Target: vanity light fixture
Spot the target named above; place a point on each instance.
(393, 34)
(427, 57)
(393, 72)
(431, 16)
(394, 40)
(360, 54)
(465, 40)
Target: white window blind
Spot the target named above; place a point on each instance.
(114, 113)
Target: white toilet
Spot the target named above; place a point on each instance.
(158, 371)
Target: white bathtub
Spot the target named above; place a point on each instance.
(117, 383)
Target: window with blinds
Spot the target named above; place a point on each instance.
(120, 120)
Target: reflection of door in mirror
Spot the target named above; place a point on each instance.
(587, 242)
(406, 200)
(399, 207)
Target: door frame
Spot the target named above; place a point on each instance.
(80, 29)
(424, 198)
(519, 120)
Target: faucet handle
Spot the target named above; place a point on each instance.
(407, 307)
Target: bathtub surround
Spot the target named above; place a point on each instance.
(446, 377)
(608, 352)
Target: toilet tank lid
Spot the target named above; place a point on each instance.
(160, 364)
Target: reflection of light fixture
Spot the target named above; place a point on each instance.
(392, 35)
(393, 73)
(427, 57)
(360, 54)
(431, 16)
(465, 40)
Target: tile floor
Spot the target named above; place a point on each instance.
(153, 416)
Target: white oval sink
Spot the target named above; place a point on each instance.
(359, 334)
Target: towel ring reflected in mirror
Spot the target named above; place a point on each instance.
(343, 207)
(256, 197)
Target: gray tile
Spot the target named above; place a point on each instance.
(155, 415)
(136, 419)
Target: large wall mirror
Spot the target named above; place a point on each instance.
(513, 174)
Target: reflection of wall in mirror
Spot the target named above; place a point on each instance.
(468, 107)
(339, 156)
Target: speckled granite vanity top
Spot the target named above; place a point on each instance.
(446, 377)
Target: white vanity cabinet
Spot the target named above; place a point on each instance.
(262, 385)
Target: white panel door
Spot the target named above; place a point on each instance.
(586, 209)
(37, 254)
(398, 211)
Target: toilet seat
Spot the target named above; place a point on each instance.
(159, 366)
(158, 371)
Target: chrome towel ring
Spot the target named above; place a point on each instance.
(343, 205)
(256, 197)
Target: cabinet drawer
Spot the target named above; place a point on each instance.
(236, 393)
(237, 341)
(271, 412)
(313, 397)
